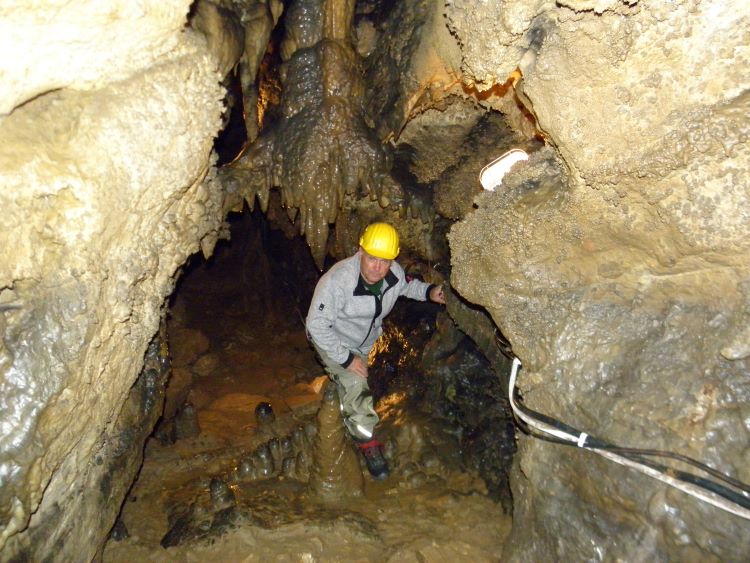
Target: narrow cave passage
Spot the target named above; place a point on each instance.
(615, 259)
(224, 480)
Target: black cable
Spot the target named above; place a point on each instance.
(635, 455)
(685, 476)
(702, 482)
(593, 442)
(685, 459)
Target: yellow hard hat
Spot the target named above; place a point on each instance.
(380, 240)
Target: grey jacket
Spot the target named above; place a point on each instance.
(345, 318)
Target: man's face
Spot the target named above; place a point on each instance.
(373, 269)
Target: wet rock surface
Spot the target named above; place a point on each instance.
(116, 462)
(614, 262)
(619, 343)
(106, 190)
(336, 474)
(442, 373)
(284, 479)
(322, 162)
(322, 149)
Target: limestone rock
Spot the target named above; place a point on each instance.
(335, 474)
(187, 345)
(59, 53)
(206, 365)
(186, 422)
(616, 265)
(322, 149)
(414, 66)
(223, 32)
(615, 260)
(106, 190)
(178, 388)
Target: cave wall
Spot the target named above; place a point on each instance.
(107, 115)
(616, 262)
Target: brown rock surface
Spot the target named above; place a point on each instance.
(617, 264)
(106, 190)
(178, 388)
(206, 365)
(186, 345)
(615, 260)
(336, 474)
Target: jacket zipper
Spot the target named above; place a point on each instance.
(378, 310)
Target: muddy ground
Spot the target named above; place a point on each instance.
(233, 349)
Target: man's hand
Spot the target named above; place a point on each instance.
(437, 295)
(358, 366)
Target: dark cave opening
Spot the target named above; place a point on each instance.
(261, 267)
(257, 282)
(232, 139)
(237, 337)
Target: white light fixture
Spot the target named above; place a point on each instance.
(492, 175)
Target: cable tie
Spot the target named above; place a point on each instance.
(514, 367)
(702, 492)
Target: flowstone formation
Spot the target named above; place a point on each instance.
(616, 263)
(322, 150)
(107, 118)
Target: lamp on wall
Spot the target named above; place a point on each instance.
(492, 175)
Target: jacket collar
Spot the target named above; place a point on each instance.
(390, 280)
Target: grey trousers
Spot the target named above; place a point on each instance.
(357, 409)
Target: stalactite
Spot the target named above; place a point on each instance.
(322, 149)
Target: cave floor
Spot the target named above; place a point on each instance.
(429, 509)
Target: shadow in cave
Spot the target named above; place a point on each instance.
(229, 463)
(236, 329)
(257, 276)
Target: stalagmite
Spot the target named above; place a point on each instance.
(336, 473)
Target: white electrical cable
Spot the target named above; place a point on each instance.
(580, 441)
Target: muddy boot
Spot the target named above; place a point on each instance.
(377, 465)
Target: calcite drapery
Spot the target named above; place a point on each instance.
(322, 149)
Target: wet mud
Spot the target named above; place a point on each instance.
(266, 471)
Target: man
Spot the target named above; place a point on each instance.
(344, 321)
